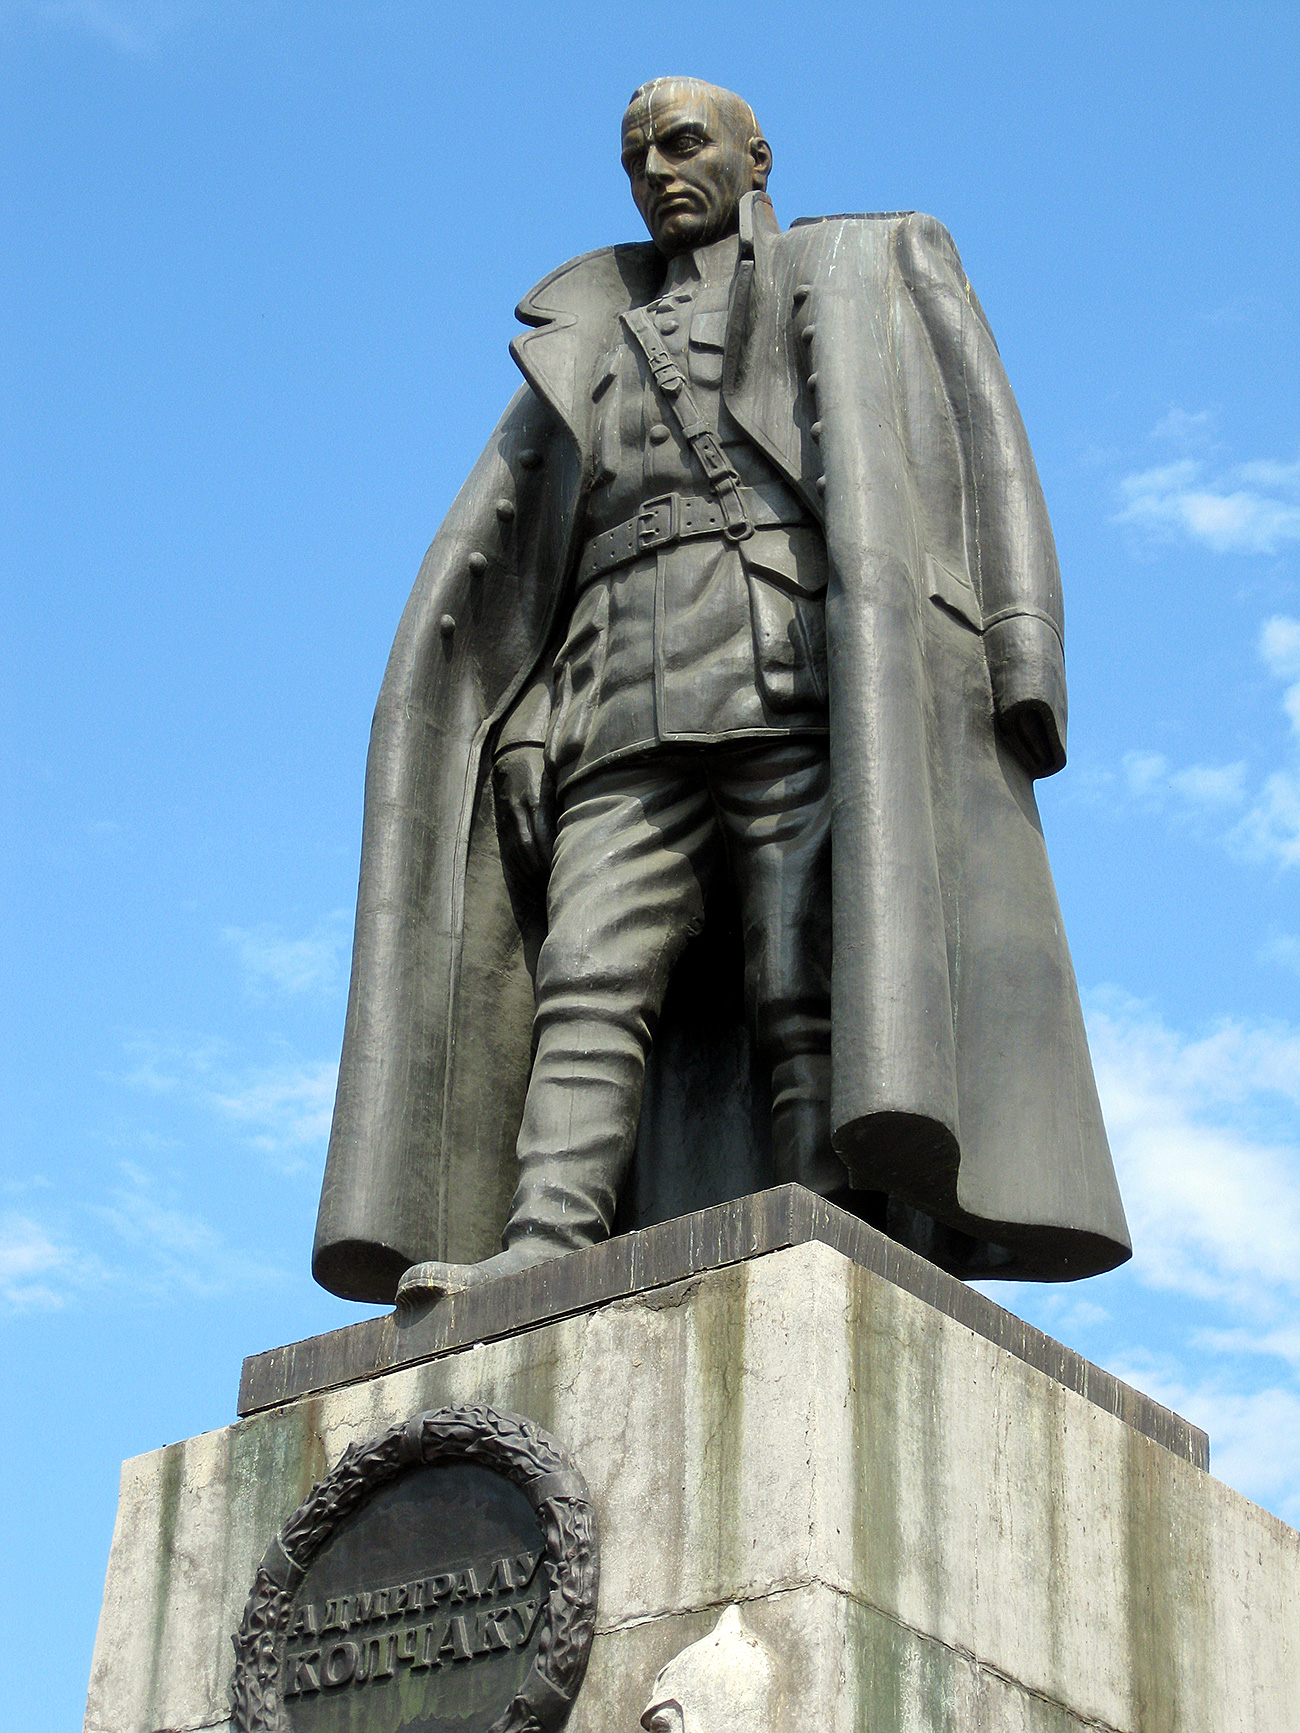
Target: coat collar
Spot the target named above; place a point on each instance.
(569, 309)
(575, 311)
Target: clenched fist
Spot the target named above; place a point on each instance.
(524, 796)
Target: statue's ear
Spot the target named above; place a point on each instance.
(760, 156)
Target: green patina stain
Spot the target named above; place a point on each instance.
(1170, 1618)
(875, 1428)
(171, 1480)
(718, 1320)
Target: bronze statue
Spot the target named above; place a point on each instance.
(701, 850)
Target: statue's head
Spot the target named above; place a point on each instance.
(692, 152)
(725, 1683)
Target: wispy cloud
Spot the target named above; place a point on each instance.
(1281, 1344)
(166, 1248)
(1206, 1135)
(1243, 508)
(309, 964)
(283, 1109)
(1282, 949)
(1205, 1129)
(1254, 1434)
(137, 1238)
(1270, 830)
(35, 1272)
(1259, 823)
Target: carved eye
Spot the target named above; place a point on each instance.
(687, 143)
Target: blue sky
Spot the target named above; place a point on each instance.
(258, 266)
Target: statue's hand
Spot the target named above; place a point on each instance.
(1027, 671)
(524, 796)
(1031, 732)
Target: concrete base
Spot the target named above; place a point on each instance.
(930, 1532)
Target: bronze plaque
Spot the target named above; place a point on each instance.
(440, 1579)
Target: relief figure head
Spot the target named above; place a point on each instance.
(692, 151)
(725, 1683)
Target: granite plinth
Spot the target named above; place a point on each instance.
(928, 1529)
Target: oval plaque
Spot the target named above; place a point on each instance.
(440, 1579)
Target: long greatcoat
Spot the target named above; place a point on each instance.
(859, 361)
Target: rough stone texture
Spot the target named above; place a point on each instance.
(930, 1534)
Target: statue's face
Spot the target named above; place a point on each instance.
(690, 159)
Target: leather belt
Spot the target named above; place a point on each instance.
(679, 517)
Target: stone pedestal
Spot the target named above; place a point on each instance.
(933, 1518)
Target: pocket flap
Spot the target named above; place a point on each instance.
(793, 556)
(945, 584)
(709, 330)
(605, 375)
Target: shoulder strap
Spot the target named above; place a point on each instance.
(671, 381)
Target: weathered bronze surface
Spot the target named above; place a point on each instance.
(701, 849)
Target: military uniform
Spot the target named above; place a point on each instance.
(686, 735)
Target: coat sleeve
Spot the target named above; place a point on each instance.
(1014, 563)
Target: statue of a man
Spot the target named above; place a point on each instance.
(701, 850)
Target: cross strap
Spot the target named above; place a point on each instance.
(671, 381)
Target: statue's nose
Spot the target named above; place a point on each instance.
(656, 168)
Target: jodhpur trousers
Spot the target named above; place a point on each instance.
(636, 847)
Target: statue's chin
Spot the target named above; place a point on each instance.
(682, 234)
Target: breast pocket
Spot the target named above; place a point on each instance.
(786, 569)
(708, 340)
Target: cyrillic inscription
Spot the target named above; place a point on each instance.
(476, 1610)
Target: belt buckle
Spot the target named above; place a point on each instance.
(657, 523)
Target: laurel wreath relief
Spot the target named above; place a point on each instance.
(472, 1433)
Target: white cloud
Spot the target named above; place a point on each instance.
(304, 965)
(1283, 949)
(1268, 831)
(1281, 1344)
(34, 1271)
(137, 1239)
(1206, 1136)
(1205, 1129)
(169, 1248)
(1254, 1434)
(1249, 508)
(1188, 430)
(283, 1108)
(1279, 647)
(1197, 792)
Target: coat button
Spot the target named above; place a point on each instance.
(812, 382)
(815, 431)
(658, 433)
(802, 293)
(447, 625)
(477, 563)
(530, 459)
(821, 484)
(807, 334)
(667, 326)
(505, 510)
